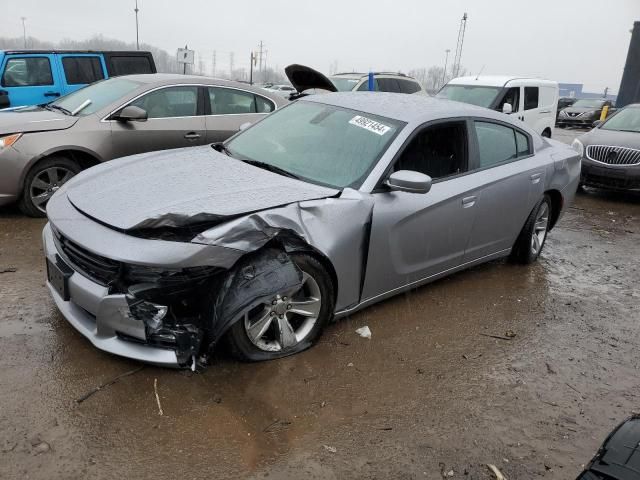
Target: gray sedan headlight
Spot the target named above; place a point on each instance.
(9, 140)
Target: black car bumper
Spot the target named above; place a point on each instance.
(607, 176)
(575, 122)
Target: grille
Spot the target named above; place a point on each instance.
(613, 155)
(573, 114)
(95, 267)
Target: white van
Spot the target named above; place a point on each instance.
(531, 100)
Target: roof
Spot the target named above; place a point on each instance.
(495, 80)
(52, 50)
(401, 106)
(360, 74)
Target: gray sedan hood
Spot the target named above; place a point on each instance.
(182, 187)
(33, 119)
(614, 138)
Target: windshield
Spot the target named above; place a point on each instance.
(626, 120)
(322, 144)
(344, 84)
(100, 95)
(586, 103)
(473, 94)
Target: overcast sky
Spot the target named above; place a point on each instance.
(582, 41)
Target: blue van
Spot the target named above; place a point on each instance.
(33, 77)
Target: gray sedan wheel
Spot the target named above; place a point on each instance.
(43, 181)
(290, 321)
(533, 235)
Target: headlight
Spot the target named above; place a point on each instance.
(578, 147)
(9, 140)
(588, 114)
(563, 113)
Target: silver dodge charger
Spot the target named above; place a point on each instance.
(322, 208)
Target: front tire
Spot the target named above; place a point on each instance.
(291, 322)
(530, 242)
(42, 181)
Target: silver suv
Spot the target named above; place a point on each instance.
(383, 82)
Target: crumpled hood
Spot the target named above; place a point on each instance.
(33, 119)
(182, 187)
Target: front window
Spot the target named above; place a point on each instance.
(626, 120)
(473, 94)
(322, 144)
(344, 84)
(100, 94)
(589, 103)
(27, 72)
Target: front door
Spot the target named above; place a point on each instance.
(174, 121)
(30, 79)
(416, 236)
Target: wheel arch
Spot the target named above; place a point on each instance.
(557, 201)
(85, 158)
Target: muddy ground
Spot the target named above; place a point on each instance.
(428, 395)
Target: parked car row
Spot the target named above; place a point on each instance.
(582, 113)
(42, 147)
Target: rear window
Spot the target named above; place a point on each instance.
(82, 70)
(123, 65)
(408, 86)
(388, 85)
(27, 72)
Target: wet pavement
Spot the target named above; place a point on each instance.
(429, 394)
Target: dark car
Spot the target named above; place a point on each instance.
(611, 151)
(583, 113)
(564, 102)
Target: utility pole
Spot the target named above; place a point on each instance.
(24, 31)
(446, 60)
(213, 63)
(261, 45)
(252, 63)
(137, 36)
(456, 61)
(231, 65)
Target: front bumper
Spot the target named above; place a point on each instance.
(617, 177)
(12, 166)
(103, 318)
(576, 122)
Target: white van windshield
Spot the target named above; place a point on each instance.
(473, 94)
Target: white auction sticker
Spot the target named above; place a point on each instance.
(368, 124)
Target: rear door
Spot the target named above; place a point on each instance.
(227, 109)
(30, 79)
(512, 180)
(79, 70)
(175, 119)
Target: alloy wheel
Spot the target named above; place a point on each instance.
(46, 183)
(540, 228)
(287, 319)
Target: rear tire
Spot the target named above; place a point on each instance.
(268, 344)
(533, 235)
(42, 181)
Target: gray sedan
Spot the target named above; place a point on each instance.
(612, 151)
(329, 205)
(42, 147)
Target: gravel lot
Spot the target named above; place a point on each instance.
(428, 395)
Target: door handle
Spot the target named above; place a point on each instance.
(535, 178)
(52, 94)
(192, 136)
(468, 202)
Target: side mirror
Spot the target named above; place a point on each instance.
(596, 124)
(507, 108)
(409, 181)
(132, 113)
(244, 126)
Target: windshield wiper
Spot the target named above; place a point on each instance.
(271, 168)
(221, 147)
(57, 107)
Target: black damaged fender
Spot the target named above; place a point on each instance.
(253, 281)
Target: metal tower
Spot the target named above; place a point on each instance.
(456, 60)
